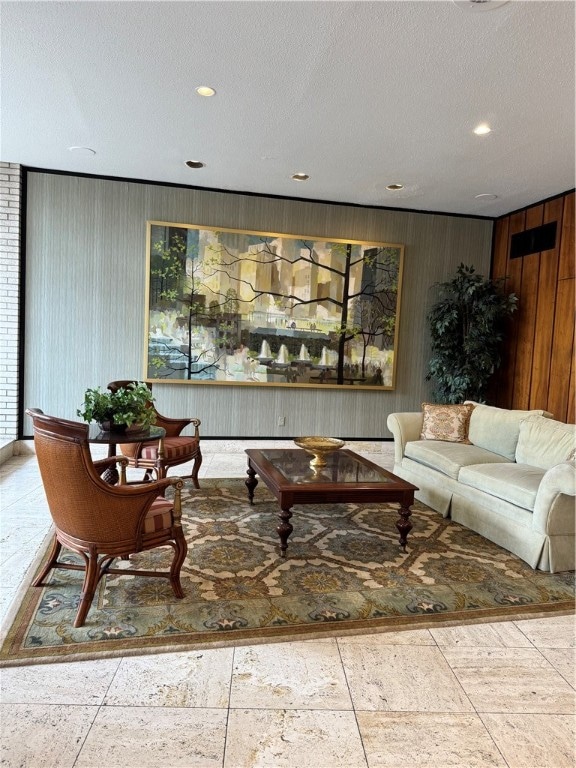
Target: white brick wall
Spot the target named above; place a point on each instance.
(10, 194)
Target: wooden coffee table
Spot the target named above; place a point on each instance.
(346, 477)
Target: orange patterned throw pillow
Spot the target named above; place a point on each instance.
(446, 422)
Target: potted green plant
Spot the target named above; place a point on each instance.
(128, 407)
(467, 326)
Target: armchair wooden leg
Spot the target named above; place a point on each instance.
(88, 588)
(52, 562)
(180, 550)
(196, 468)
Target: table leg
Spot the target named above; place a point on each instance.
(110, 475)
(404, 525)
(284, 530)
(251, 482)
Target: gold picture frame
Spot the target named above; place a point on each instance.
(249, 308)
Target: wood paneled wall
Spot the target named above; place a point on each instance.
(538, 367)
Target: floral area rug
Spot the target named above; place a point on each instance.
(344, 573)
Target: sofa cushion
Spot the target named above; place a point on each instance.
(516, 483)
(449, 458)
(445, 422)
(497, 429)
(544, 442)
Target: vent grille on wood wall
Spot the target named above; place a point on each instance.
(533, 240)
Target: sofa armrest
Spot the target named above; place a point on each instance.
(404, 427)
(555, 507)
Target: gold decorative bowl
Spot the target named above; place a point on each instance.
(319, 447)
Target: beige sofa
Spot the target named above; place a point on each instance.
(515, 483)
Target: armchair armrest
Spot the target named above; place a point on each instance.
(122, 508)
(159, 487)
(151, 489)
(173, 427)
(177, 483)
(404, 427)
(101, 465)
(554, 509)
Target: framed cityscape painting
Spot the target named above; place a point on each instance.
(227, 306)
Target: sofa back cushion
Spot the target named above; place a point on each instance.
(497, 429)
(544, 442)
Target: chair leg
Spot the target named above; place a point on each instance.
(161, 471)
(180, 550)
(88, 588)
(196, 468)
(52, 562)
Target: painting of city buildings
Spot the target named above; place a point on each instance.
(252, 308)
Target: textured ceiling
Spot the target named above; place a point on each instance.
(356, 94)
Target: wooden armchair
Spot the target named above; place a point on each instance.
(177, 449)
(98, 521)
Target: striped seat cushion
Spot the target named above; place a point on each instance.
(174, 448)
(159, 516)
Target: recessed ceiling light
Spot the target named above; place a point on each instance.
(486, 196)
(394, 187)
(86, 151)
(482, 129)
(195, 164)
(479, 5)
(300, 176)
(205, 90)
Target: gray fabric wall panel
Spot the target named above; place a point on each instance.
(85, 283)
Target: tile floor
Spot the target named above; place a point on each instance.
(499, 694)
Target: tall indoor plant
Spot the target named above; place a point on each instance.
(466, 329)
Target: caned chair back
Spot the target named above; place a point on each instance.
(81, 504)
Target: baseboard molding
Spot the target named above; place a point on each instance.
(10, 448)
(6, 450)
